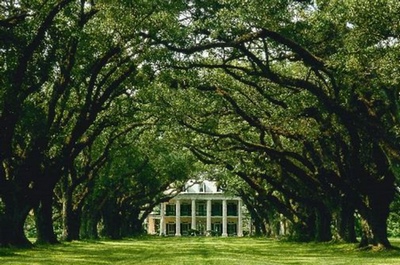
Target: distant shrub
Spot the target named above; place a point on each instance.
(394, 225)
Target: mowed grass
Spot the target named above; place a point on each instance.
(198, 250)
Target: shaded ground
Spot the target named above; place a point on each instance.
(198, 250)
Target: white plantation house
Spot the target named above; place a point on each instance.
(201, 209)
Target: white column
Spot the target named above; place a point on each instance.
(162, 219)
(240, 219)
(224, 219)
(193, 214)
(208, 215)
(178, 218)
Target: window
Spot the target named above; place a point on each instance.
(216, 209)
(170, 210)
(201, 209)
(203, 187)
(186, 209)
(232, 209)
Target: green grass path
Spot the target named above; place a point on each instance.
(198, 250)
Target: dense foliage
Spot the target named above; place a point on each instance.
(297, 98)
(72, 72)
(294, 104)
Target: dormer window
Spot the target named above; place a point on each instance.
(203, 187)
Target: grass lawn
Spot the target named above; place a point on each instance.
(198, 250)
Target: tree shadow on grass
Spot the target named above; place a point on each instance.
(8, 253)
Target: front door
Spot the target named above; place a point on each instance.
(201, 227)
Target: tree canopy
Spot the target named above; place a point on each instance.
(104, 105)
(302, 102)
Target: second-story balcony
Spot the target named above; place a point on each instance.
(201, 209)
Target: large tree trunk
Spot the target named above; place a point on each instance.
(381, 193)
(377, 217)
(112, 221)
(300, 232)
(112, 226)
(374, 228)
(134, 222)
(71, 219)
(261, 222)
(131, 225)
(136, 227)
(346, 223)
(379, 229)
(323, 221)
(256, 222)
(376, 211)
(303, 228)
(72, 224)
(12, 220)
(44, 220)
(366, 235)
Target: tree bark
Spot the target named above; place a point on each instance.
(304, 230)
(323, 221)
(346, 223)
(16, 210)
(366, 235)
(377, 221)
(44, 220)
(112, 221)
(380, 194)
(71, 219)
(132, 224)
(376, 213)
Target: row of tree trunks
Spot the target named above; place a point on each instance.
(351, 102)
(89, 226)
(33, 123)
